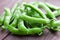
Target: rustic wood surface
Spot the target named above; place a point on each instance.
(47, 35)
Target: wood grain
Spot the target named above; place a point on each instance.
(3, 34)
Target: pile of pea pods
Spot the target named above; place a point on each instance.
(29, 19)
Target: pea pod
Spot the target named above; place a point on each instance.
(56, 23)
(51, 6)
(14, 22)
(1, 20)
(34, 20)
(7, 17)
(18, 32)
(36, 9)
(15, 31)
(29, 20)
(22, 27)
(13, 10)
(48, 11)
(57, 13)
(32, 14)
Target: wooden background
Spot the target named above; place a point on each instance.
(47, 35)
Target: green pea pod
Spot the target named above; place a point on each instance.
(32, 13)
(31, 31)
(14, 23)
(7, 17)
(28, 11)
(34, 20)
(1, 20)
(14, 7)
(36, 9)
(13, 10)
(22, 30)
(16, 15)
(21, 26)
(34, 31)
(56, 23)
(48, 11)
(15, 31)
(32, 25)
(51, 6)
(56, 13)
(35, 14)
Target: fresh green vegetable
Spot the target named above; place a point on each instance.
(34, 20)
(36, 9)
(28, 19)
(52, 7)
(7, 17)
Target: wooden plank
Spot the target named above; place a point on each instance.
(53, 36)
(3, 34)
(47, 35)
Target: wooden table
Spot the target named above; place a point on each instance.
(47, 35)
